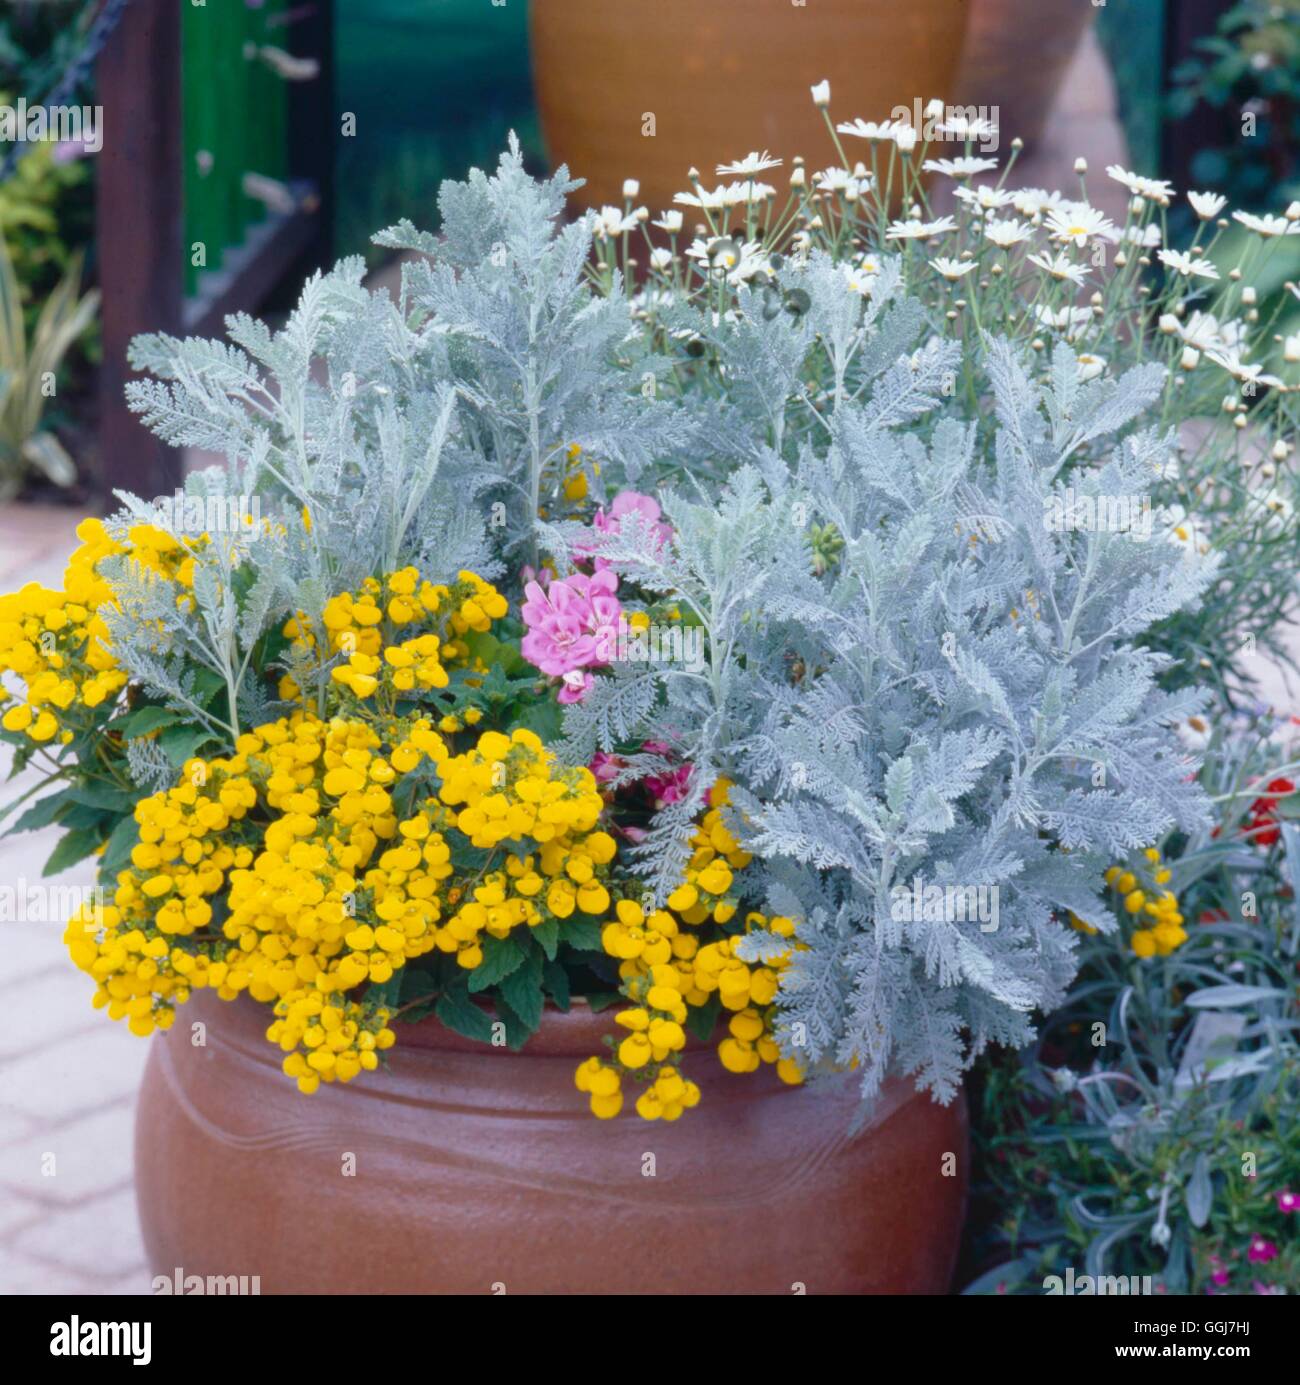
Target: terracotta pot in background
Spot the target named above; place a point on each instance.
(476, 1167)
(1016, 53)
(722, 78)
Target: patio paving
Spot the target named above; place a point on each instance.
(68, 1078)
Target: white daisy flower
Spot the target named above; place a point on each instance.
(840, 180)
(1207, 205)
(957, 127)
(1090, 366)
(1185, 531)
(1268, 225)
(1060, 267)
(1078, 222)
(749, 191)
(920, 230)
(983, 199)
(1061, 319)
(1007, 233)
(752, 163)
(1188, 267)
(859, 279)
(960, 168)
(1201, 331)
(1035, 203)
(727, 258)
(1195, 732)
(821, 94)
(1153, 189)
(610, 221)
(869, 129)
(1291, 349)
(714, 201)
(661, 259)
(1229, 359)
(952, 270)
(1146, 237)
(670, 222)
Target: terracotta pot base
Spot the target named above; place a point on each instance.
(476, 1168)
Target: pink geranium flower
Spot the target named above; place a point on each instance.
(572, 626)
(1288, 1202)
(629, 503)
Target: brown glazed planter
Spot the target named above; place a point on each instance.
(476, 1168)
(1016, 54)
(722, 78)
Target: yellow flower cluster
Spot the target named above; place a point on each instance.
(1152, 904)
(511, 789)
(401, 634)
(1148, 902)
(57, 641)
(291, 889)
(665, 968)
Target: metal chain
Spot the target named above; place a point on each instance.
(74, 75)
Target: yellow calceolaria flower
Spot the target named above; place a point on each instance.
(400, 634)
(666, 969)
(292, 838)
(57, 642)
(509, 795)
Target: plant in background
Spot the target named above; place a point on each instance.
(1250, 68)
(1152, 1128)
(46, 215)
(29, 365)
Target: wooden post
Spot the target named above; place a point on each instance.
(1186, 21)
(138, 229)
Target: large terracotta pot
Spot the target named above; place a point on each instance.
(1016, 54)
(723, 77)
(477, 1168)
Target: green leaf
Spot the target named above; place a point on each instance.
(602, 1000)
(105, 797)
(522, 990)
(517, 1031)
(144, 720)
(501, 956)
(459, 1013)
(76, 846)
(581, 933)
(117, 854)
(386, 993)
(701, 1019)
(556, 981)
(547, 934)
(181, 743)
(43, 812)
(545, 717)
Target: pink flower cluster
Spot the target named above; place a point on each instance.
(631, 503)
(572, 626)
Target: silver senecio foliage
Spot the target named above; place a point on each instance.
(958, 695)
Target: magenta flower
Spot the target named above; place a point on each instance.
(1288, 1202)
(670, 788)
(604, 766)
(571, 627)
(1261, 1251)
